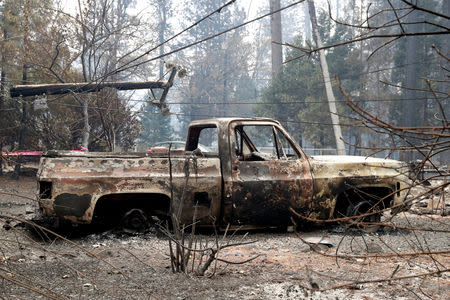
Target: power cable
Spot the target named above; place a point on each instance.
(171, 38)
(209, 116)
(206, 39)
(245, 102)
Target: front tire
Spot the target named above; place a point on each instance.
(361, 208)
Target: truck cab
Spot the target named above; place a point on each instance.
(264, 171)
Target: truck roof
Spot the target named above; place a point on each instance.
(227, 120)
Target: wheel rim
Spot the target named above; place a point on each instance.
(362, 208)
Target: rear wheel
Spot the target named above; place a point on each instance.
(135, 221)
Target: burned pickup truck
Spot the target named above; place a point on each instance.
(253, 175)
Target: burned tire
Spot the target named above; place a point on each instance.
(361, 208)
(135, 221)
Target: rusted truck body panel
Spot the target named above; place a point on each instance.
(334, 175)
(255, 175)
(262, 192)
(79, 181)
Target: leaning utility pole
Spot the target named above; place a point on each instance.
(340, 146)
(276, 37)
(83, 87)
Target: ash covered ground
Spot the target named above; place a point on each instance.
(394, 262)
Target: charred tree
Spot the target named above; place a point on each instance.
(444, 86)
(22, 132)
(2, 90)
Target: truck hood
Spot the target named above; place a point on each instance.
(342, 159)
(340, 165)
(335, 174)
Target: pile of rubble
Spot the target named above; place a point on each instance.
(431, 199)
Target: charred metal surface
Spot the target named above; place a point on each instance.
(96, 176)
(71, 205)
(334, 175)
(261, 192)
(224, 187)
(265, 200)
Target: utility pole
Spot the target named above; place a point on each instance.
(276, 36)
(82, 87)
(340, 146)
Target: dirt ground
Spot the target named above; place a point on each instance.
(387, 264)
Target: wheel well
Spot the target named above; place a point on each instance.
(111, 208)
(379, 196)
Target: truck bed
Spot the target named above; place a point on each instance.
(71, 183)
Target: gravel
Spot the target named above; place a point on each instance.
(111, 264)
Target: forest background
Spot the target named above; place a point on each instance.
(400, 80)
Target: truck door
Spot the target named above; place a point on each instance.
(269, 175)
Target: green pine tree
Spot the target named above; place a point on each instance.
(155, 126)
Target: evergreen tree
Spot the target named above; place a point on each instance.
(297, 95)
(415, 64)
(219, 66)
(155, 126)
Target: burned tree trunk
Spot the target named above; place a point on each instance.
(2, 92)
